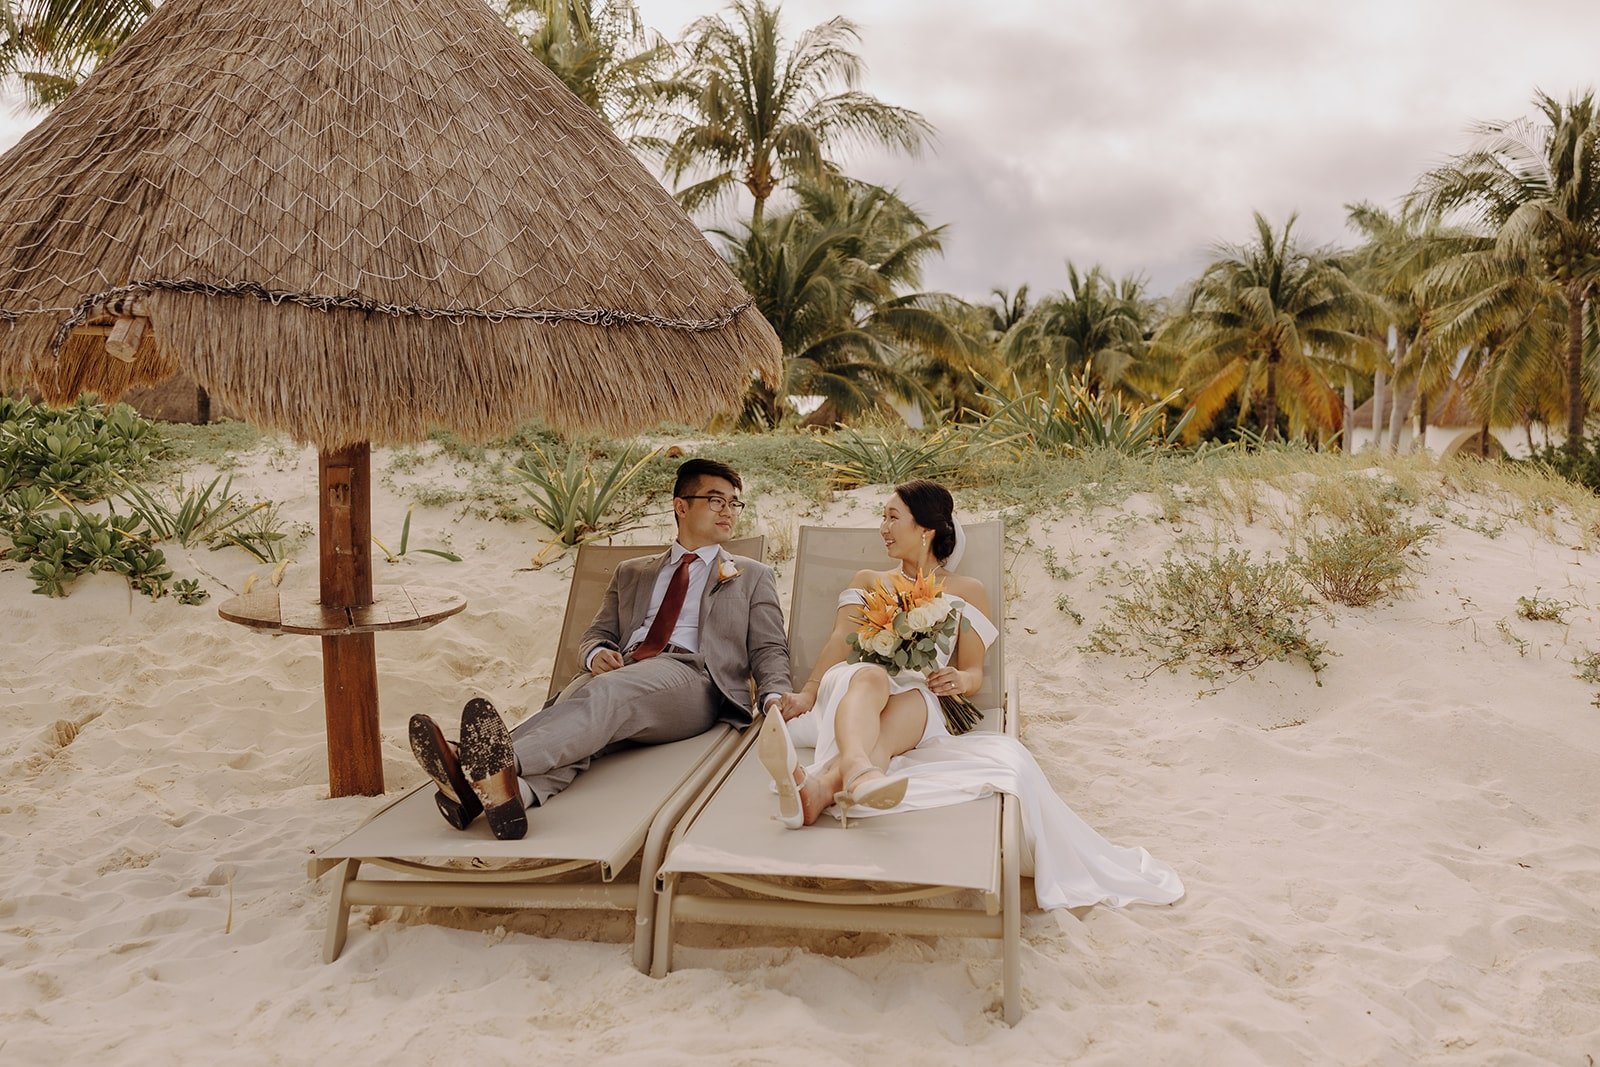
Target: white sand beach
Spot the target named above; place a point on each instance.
(1400, 865)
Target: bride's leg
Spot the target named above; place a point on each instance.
(873, 727)
(816, 790)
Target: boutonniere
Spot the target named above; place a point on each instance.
(726, 572)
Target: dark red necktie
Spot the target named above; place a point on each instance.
(666, 619)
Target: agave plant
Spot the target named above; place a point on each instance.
(884, 460)
(575, 502)
(1070, 417)
(188, 516)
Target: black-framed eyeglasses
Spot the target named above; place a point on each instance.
(718, 503)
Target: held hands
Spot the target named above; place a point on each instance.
(792, 704)
(607, 659)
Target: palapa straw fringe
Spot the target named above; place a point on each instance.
(386, 160)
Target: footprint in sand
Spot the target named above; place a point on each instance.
(32, 756)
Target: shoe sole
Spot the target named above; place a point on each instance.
(880, 796)
(489, 762)
(457, 802)
(773, 749)
(886, 796)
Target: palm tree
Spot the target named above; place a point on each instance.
(757, 112)
(600, 49)
(52, 45)
(835, 276)
(1006, 309)
(1096, 330)
(1399, 251)
(1535, 187)
(1271, 318)
(1507, 319)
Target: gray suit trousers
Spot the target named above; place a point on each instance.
(664, 699)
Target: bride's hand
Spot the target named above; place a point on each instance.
(792, 704)
(947, 682)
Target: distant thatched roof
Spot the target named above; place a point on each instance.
(1449, 408)
(356, 220)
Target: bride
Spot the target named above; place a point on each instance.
(883, 742)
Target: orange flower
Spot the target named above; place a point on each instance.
(913, 593)
(878, 612)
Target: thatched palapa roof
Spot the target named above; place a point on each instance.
(1447, 408)
(354, 220)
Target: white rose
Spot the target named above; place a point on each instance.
(925, 616)
(884, 642)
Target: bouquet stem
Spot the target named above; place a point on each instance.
(960, 714)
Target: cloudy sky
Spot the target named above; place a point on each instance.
(1136, 133)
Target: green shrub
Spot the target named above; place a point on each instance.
(574, 500)
(260, 532)
(52, 458)
(1588, 663)
(1538, 608)
(1064, 605)
(62, 546)
(1217, 615)
(405, 545)
(77, 450)
(1069, 418)
(188, 516)
(1583, 469)
(187, 591)
(857, 459)
(1357, 567)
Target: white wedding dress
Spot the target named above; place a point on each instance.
(1071, 865)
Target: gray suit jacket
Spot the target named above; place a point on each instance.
(741, 626)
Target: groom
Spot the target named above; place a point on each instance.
(671, 652)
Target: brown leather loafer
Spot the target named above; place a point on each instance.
(490, 764)
(457, 802)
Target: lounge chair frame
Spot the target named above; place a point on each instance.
(767, 897)
(407, 839)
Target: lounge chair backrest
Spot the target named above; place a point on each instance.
(591, 573)
(828, 557)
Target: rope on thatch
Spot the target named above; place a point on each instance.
(110, 301)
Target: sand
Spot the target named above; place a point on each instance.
(1401, 865)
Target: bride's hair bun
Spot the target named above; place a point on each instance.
(933, 508)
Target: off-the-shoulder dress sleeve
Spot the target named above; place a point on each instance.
(979, 622)
(851, 596)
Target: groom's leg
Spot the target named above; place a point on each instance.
(664, 699)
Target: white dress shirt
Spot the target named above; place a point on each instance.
(686, 634)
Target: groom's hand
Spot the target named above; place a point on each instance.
(607, 659)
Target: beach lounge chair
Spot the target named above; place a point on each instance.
(578, 844)
(731, 862)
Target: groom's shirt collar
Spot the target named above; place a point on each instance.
(708, 554)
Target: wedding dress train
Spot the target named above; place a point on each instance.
(1071, 865)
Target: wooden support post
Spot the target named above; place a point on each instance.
(349, 662)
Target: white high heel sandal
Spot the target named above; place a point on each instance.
(777, 755)
(879, 795)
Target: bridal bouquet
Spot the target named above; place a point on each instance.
(906, 626)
